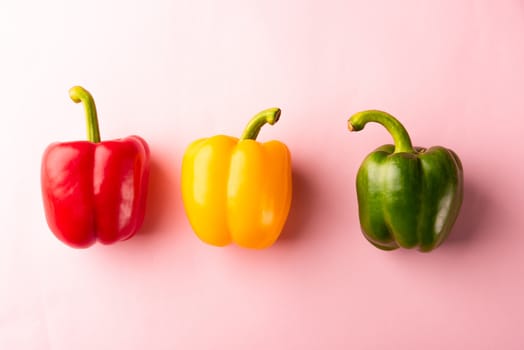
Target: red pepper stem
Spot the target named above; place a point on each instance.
(268, 116)
(79, 94)
(395, 128)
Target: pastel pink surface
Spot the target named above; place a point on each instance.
(175, 71)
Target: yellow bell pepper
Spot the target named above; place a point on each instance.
(238, 190)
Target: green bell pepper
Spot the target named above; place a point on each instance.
(407, 196)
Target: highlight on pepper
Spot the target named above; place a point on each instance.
(408, 196)
(238, 190)
(94, 190)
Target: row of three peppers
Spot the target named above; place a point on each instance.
(239, 190)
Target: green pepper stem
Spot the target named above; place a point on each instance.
(392, 125)
(269, 116)
(79, 94)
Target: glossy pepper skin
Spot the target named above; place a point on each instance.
(408, 196)
(94, 190)
(238, 190)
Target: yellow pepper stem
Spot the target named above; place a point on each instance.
(269, 116)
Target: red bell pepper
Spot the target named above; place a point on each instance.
(95, 190)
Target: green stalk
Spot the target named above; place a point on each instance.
(79, 94)
(392, 125)
(268, 116)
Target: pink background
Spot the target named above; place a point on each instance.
(173, 71)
